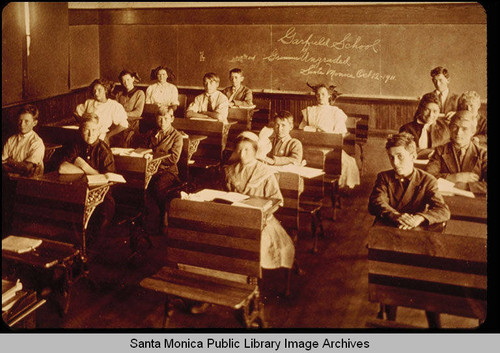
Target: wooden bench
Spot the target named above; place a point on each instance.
(214, 256)
(437, 272)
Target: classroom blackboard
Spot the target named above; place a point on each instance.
(362, 60)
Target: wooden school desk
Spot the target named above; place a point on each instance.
(22, 315)
(214, 257)
(57, 206)
(468, 215)
(61, 260)
(291, 182)
(210, 150)
(433, 271)
(243, 116)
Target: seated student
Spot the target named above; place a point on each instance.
(471, 101)
(132, 99)
(447, 100)
(23, 152)
(162, 92)
(406, 197)
(461, 161)
(112, 116)
(237, 94)
(164, 140)
(283, 149)
(93, 156)
(325, 117)
(428, 130)
(251, 177)
(211, 104)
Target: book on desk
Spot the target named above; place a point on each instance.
(100, 179)
(10, 293)
(232, 198)
(20, 245)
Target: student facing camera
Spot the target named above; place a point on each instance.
(164, 140)
(427, 128)
(406, 197)
(237, 94)
(23, 152)
(211, 104)
(283, 149)
(447, 100)
(93, 156)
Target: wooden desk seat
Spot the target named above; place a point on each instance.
(262, 113)
(54, 265)
(438, 272)
(215, 252)
(321, 150)
(209, 153)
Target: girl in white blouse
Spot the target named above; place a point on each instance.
(112, 115)
(325, 117)
(162, 92)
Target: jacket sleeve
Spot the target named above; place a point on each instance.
(379, 205)
(437, 210)
(434, 165)
(247, 99)
(136, 112)
(294, 155)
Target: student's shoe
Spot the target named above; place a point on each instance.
(200, 308)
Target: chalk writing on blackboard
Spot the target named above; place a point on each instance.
(241, 58)
(306, 57)
(291, 38)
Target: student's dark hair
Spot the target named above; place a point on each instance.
(440, 70)
(135, 75)
(108, 85)
(164, 109)
(211, 76)
(255, 143)
(331, 89)
(283, 115)
(170, 73)
(426, 99)
(29, 109)
(404, 139)
(236, 71)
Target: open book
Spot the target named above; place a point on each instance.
(20, 245)
(100, 179)
(211, 195)
(259, 203)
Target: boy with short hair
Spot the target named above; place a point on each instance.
(448, 100)
(237, 94)
(93, 156)
(164, 140)
(212, 103)
(461, 161)
(23, 152)
(471, 101)
(406, 197)
(284, 149)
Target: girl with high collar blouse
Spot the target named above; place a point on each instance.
(162, 92)
(325, 117)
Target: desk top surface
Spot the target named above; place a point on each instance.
(468, 208)
(61, 179)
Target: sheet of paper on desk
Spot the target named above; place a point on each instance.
(131, 152)
(20, 245)
(210, 194)
(447, 187)
(114, 177)
(101, 179)
(203, 119)
(70, 127)
(261, 204)
(306, 172)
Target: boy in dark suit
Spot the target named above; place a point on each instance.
(461, 161)
(447, 100)
(406, 197)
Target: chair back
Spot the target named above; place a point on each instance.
(215, 236)
(433, 271)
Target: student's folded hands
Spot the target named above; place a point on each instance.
(408, 221)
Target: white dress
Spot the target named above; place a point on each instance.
(332, 119)
(110, 113)
(162, 93)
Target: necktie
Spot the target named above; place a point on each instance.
(209, 104)
(423, 141)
